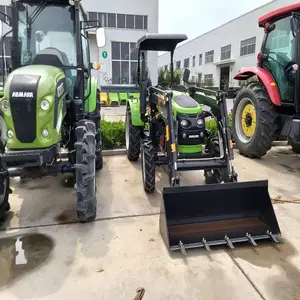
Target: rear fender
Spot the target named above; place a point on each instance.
(265, 77)
(134, 106)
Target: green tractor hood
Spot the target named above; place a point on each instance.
(33, 106)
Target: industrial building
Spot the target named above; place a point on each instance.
(216, 56)
(125, 23)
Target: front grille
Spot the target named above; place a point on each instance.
(190, 137)
(193, 135)
(23, 94)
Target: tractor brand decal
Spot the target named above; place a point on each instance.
(194, 136)
(60, 89)
(22, 94)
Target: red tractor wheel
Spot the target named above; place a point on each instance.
(253, 121)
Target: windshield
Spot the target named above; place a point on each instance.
(52, 27)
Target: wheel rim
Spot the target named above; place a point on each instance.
(245, 120)
(127, 131)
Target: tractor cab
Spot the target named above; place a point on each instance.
(53, 33)
(278, 53)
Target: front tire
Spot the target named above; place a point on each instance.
(132, 137)
(85, 147)
(148, 166)
(253, 121)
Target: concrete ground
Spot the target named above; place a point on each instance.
(46, 254)
(109, 113)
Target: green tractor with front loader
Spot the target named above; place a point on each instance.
(166, 126)
(51, 102)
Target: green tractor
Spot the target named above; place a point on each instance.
(167, 127)
(50, 101)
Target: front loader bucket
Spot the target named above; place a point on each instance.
(208, 215)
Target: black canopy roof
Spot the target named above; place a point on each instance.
(160, 42)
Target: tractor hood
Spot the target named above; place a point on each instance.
(34, 106)
(184, 103)
(41, 78)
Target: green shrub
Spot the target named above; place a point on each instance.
(113, 135)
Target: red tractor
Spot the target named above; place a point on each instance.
(268, 108)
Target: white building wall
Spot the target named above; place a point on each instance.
(132, 7)
(233, 32)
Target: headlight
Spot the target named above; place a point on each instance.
(45, 133)
(45, 105)
(200, 122)
(4, 104)
(184, 123)
(10, 134)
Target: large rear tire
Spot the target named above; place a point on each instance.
(85, 147)
(253, 121)
(132, 137)
(148, 166)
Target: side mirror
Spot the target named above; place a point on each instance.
(186, 75)
(100, 37)
(270, 27)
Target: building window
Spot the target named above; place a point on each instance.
(194, 61)
(130, 21)
(208, 79)
(139, 22)
(248, 46)
(124, 62)
(209, 56)
(178, 64)
(200, 59)
(122, 21)
(112, 20)
(145, 22)
(199, 79)
(93, 16)
(226, 52)
(186, 63)
(102, 18)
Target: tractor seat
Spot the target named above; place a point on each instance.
(185, 101)
(52, 57)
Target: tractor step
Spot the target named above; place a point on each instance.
(28, 158)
